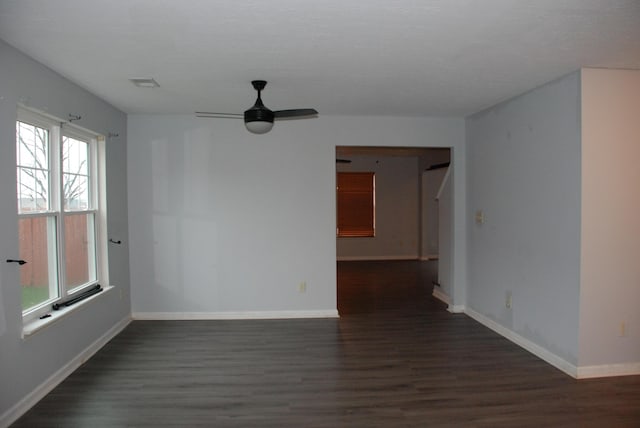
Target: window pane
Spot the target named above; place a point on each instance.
(32, 146)
(42, 184)
(37, 247)
(32, 152)
(75, 154)
(75, 168)
(33, 190)
(76, 192)
(26, 194)
(25, 138)
(80, 256)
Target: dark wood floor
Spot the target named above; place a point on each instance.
(396, 358)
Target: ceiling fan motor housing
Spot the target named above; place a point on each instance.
(258, 114)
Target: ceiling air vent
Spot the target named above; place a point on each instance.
(145, 83)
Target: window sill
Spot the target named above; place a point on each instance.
(31, 327)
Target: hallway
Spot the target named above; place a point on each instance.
(381, 287)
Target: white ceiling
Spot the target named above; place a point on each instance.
(342, 57)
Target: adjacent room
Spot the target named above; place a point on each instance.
(330, 214)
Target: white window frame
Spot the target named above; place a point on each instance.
(97, 206)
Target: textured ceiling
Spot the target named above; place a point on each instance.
(342, 57)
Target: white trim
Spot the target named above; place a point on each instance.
(429, 257)
(245, 315)
(441, 295)
(528, 345)
(457, 309)
(34, 325)
(31, 399)
(374, 258)
(607, 370)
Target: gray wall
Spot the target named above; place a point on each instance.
(27, 363)
(524, 174)
(226, 221)
(445, 233)
(431, 183)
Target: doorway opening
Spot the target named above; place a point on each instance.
(410, 191)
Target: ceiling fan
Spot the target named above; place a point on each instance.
(259, 119)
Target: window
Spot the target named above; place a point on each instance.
(356, 204)
(61, 218)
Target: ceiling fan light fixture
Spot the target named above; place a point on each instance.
(258, 119)
(259, 126)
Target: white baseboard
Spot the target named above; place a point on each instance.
(444, 297)
(535, 349)
(251, 315)
(441, 295)
(457, 309)
(607, 370)
(31, 399)
(375, 258)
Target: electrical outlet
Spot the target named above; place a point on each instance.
(302, 287)
(508, 300)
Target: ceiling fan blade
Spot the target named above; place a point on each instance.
(300, 112)
(219, 115)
